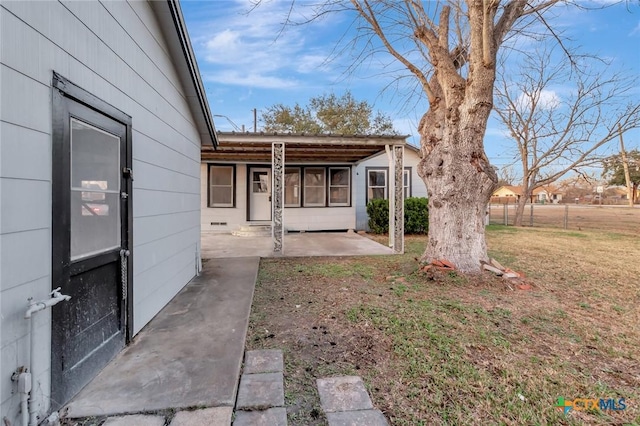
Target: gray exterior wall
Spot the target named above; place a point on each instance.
(418, 188)
(116, 51)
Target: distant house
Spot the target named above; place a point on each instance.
(103, 116)
(327, 182)
(508, 194)
(547, 194)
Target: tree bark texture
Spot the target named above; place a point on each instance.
(458, 176)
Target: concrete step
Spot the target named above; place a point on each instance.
(253, 230)
(345, 401)
(260, 399)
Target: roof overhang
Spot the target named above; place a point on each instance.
(171, 21)
(256, 147)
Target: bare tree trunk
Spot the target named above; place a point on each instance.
(522, 202)
(459, 179)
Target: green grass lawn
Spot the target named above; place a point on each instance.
(456, 349)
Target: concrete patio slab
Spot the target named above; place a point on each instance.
(357, 418)
(295, 245)
(189, 355)
(346, 393)
(270, 417)
(263, 361)
(217, 416)
(260, 391)
(135, 420)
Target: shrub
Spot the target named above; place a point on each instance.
(378, 211)
(416, 215)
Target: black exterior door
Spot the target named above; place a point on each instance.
(91, 239)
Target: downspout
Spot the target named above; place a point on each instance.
(27, 377)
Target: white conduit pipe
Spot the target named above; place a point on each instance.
(32, 418)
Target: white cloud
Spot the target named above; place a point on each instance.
(636, 30)
(546, 100)
(250, 79)
(255, 50)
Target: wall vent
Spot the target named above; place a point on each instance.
(219, 223)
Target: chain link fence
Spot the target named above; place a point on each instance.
(569, 216)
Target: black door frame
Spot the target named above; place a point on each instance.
(64, 94)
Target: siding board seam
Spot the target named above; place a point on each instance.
(25, 75)
(25, 127)
(170, 170)
(105, 79)
(180, 250)
(25, 282)
(166, 214)
(151, 87)
(25, 230)
(166, 191)
(165, 145)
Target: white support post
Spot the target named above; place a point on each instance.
(277, 190)
(392, 200)
(398, 197)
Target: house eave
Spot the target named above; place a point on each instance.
(325, 148)
(171, 20)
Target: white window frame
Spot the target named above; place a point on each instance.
(385, 186)
(348, 186)
(299, 203)
(231, 187)
(407, 187)
(324, 187)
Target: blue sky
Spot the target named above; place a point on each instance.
(248, 62)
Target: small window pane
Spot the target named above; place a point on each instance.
(377, 184)
(95, 190)
(314, 177)
(377, 178)
(221, 186)
(260, 182)
(94, 224)
(222, 196)
(340, 177)
(339, 195)
(314, 187)
(407, 190)
(375, 193)
(314, 196)
(292, 187)
(339, 188)
(221, 176)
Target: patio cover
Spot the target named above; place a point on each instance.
(318, 148)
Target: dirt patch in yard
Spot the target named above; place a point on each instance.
(454, 349)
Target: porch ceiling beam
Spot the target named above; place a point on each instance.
(229, 138)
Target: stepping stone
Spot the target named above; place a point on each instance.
(260, 391)
(357, 418)
(270, 417)
(135, 420)
(345, 393)
(263, 361)
(216, 416)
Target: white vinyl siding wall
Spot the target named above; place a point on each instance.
(115, 51)
(225, 220)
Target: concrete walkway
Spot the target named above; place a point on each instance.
(295, 245)
(187, 357)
